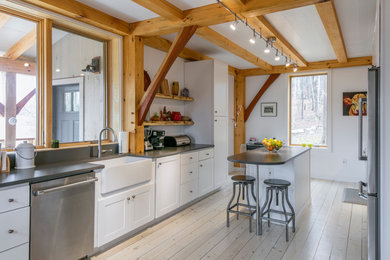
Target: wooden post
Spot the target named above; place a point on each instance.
(133, 90)
(239, 112)
(10, 109)
(47, 79)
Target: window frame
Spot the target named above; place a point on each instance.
(328, 108)
(113, 76)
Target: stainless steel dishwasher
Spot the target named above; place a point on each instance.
(62, 218)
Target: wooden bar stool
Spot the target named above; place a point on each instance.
(244, 182)
(277, 185)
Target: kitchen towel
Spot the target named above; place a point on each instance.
(123, 141)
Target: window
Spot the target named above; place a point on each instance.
(18, 81)
(308, 110)
(79, 87)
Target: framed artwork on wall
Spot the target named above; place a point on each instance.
(351, 103)
(269, 109)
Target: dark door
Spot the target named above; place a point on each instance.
(66, 113)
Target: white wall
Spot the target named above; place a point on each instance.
(339, 162)
(152, 61)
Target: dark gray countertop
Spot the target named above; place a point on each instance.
(47, 172)
(263, 157)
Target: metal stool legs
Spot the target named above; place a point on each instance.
(267, 204)
(251, 209)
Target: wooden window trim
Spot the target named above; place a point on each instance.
(45, 23)
(289, 107)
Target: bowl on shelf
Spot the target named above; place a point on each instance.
(272, 144)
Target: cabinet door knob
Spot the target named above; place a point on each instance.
(191, 191)
(215, 120)
(11, 200)
(190, 158)
(207, 154)
(133, 196)
(201, 165)
(10, 231)
(128, 198)
(190, 171)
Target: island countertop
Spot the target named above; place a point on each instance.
(263, 157)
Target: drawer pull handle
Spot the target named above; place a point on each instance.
(207, 154)
(191, 191)
(11, 200)
(128, 198)
(133, 196)
(11, 231)
(190, 158)
(201, 165)
(190, 171)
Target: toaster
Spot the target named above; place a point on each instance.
(178, 140)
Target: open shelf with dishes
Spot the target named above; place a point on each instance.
(168, 123)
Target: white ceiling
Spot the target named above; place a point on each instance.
(302, 27)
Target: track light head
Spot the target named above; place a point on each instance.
(277, 57)
(295, 69)
(233, 26)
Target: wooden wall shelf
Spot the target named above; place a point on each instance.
(167, 123)
(159, 95)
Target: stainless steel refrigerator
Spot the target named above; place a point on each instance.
(369, 190)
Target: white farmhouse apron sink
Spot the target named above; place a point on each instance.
(124, 172)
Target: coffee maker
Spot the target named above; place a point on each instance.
(157, 139)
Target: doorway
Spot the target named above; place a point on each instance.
(68, 109)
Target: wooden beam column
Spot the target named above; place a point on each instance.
(262, 90)
(133, 90)
(176, 48)
(239, 111)
(10, 109)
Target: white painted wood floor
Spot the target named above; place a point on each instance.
(328, 229)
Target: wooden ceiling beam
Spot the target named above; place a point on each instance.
(327, 12)
(22, 45)
(4, 18)
(176, 48)
(84, 13)
(162, 44)
(17, 66)
(261, 23)
(163, 8)
(214, 14)
(311, 66)
(201, 16)
(221, 41)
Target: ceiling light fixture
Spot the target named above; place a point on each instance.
(288, 63)
(253, 38)
(295, 69)
(277, 57)
(234, 24)
(26, 64)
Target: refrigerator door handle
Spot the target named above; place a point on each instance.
(360, 139)
(362, 193)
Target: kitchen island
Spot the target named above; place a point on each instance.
(289, 163)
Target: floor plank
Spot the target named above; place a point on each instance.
(327, 229)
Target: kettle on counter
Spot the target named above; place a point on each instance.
(24, 156)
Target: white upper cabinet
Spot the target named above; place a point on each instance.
(220, 89)
(221, 125)
(167, 185)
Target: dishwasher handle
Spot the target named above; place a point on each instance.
(42, 192)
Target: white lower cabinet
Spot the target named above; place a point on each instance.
(142, 206)
(123, 212)
(17, 253)
(188, 191)
(206, 176)
(167, 184)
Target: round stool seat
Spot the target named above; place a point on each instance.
(277, 182)
(243, 178)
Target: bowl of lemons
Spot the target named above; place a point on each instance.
(272, 144)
